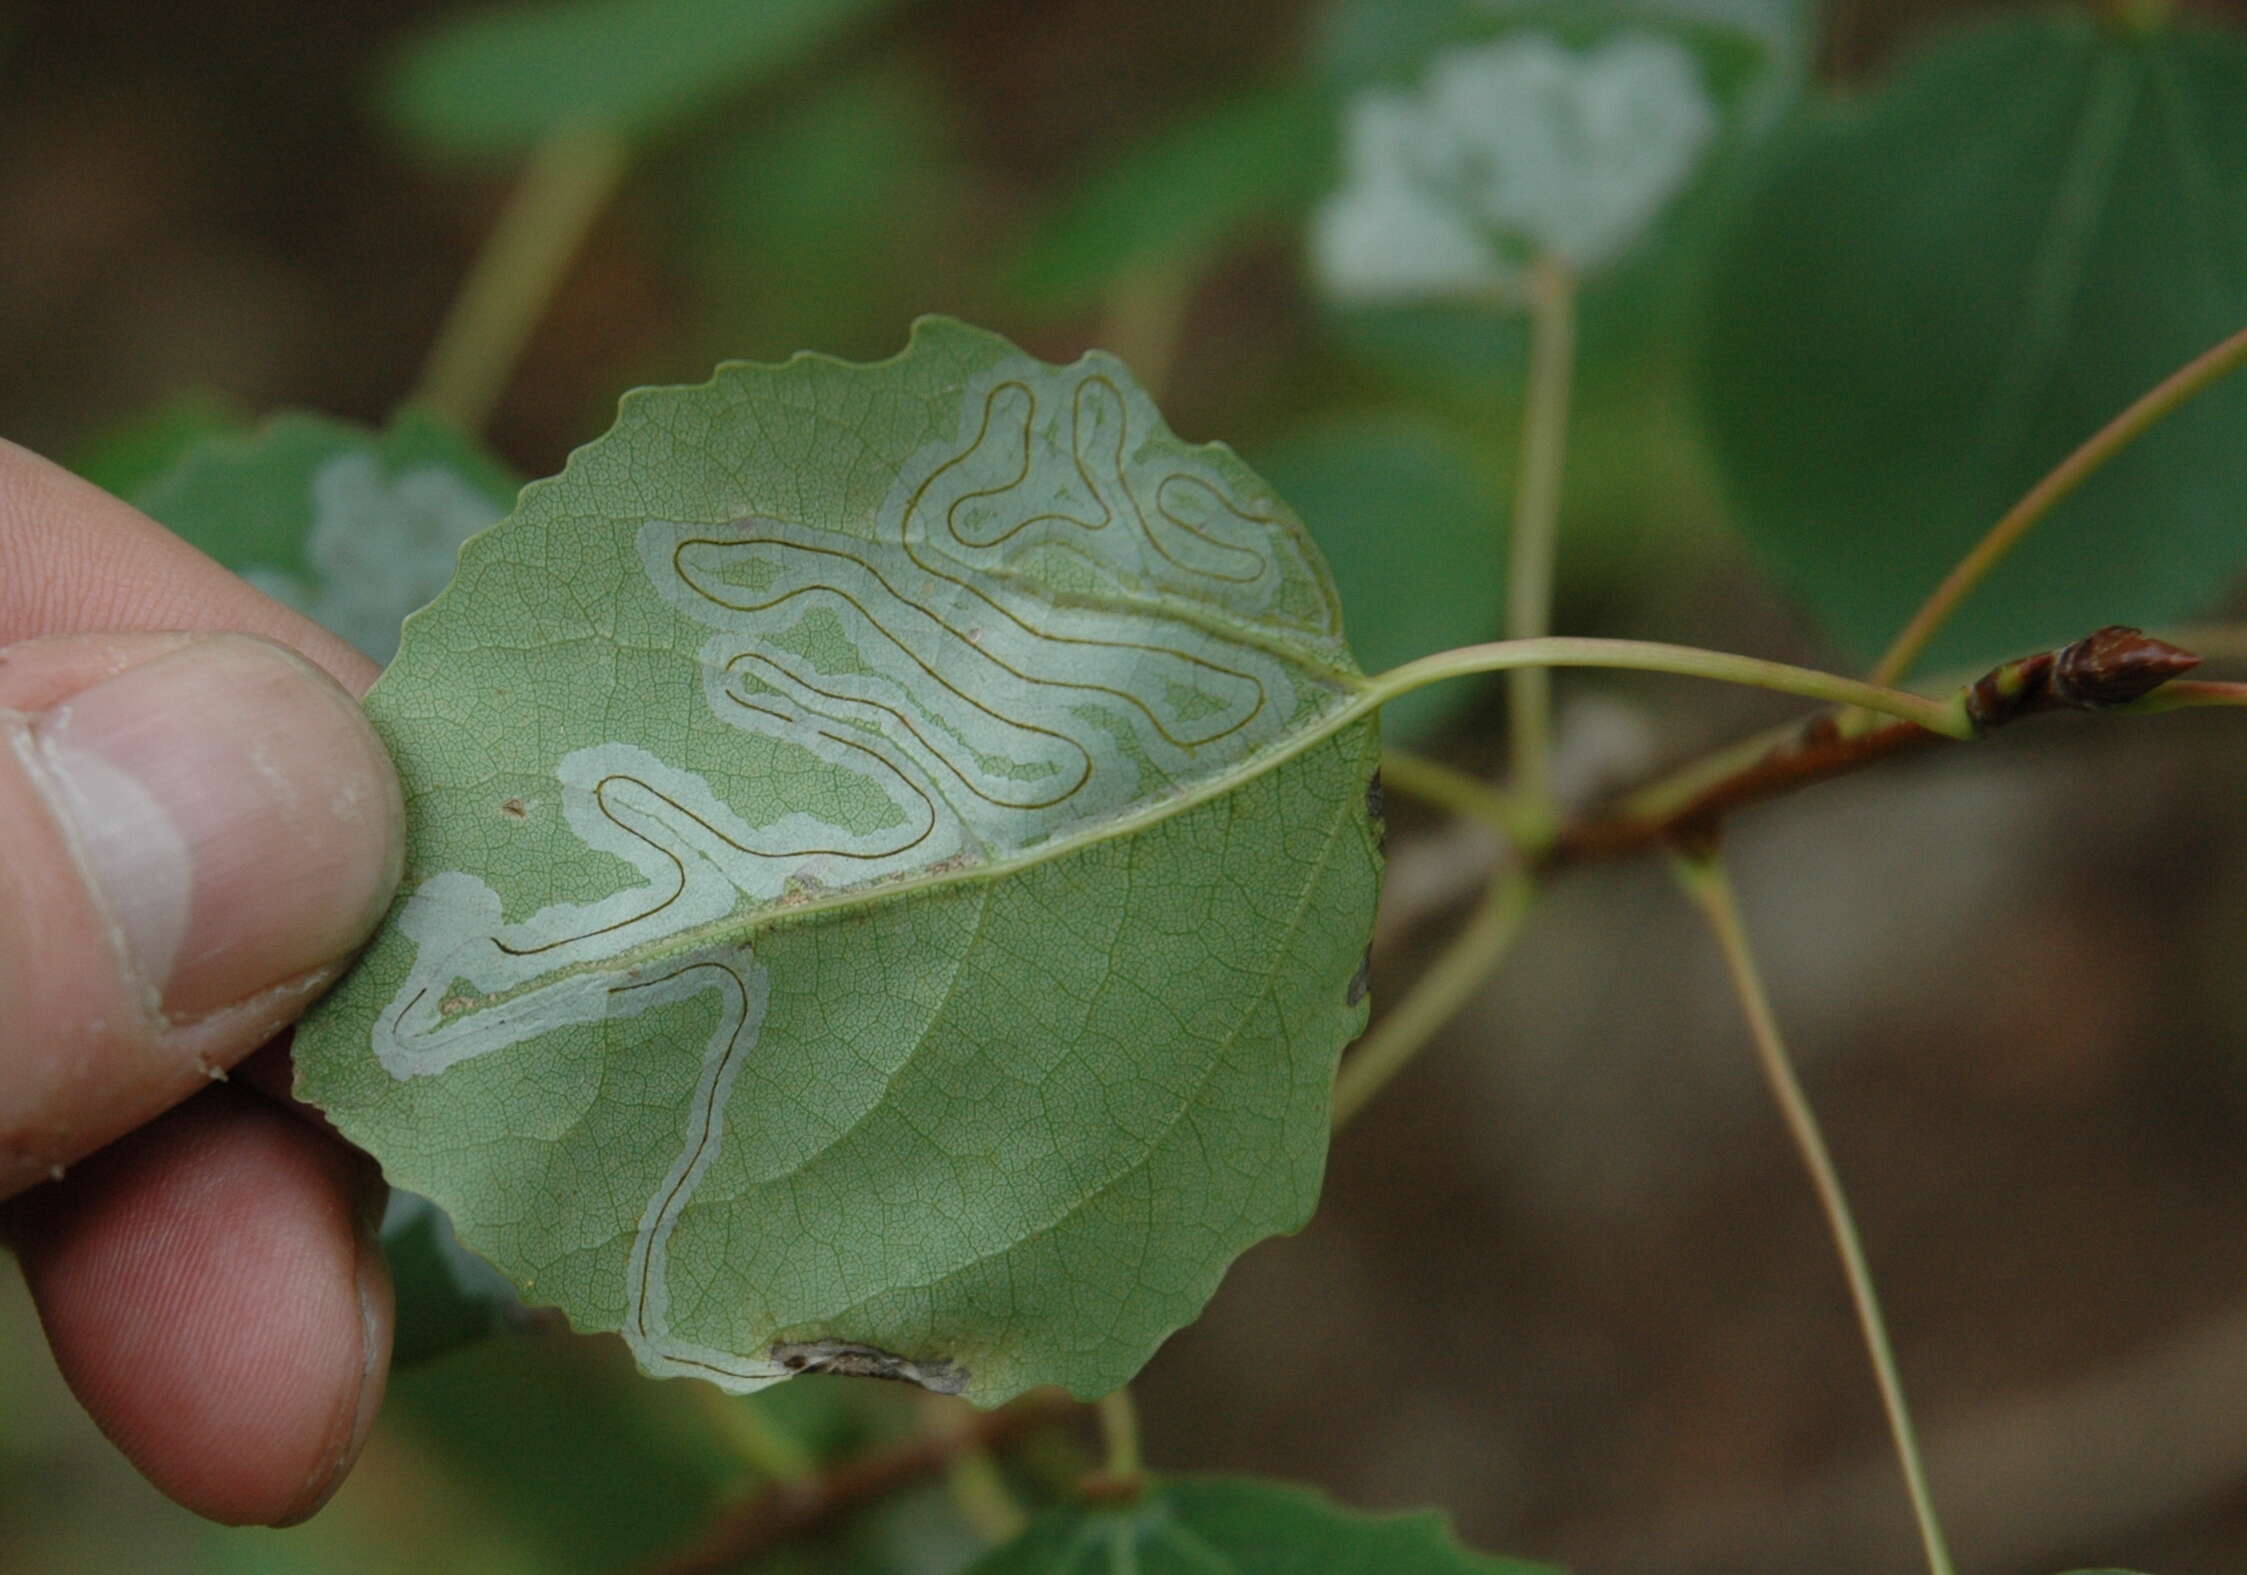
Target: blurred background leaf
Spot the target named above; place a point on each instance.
(353, 528)
(1935, 293)
(494, 81)
(1748, 64)
(126, 458)
(807, 221)
(1414, 535)
(446, 1295)
(1177, 197)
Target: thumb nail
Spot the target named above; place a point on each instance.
(235, 816)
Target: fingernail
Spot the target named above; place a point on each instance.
(235, 816)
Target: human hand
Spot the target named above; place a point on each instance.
(196, 831)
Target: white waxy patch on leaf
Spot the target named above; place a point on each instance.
(889, 858)
(1506, 151)
(377, 549)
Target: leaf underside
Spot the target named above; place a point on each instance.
(890, 865)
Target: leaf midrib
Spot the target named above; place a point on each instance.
(735, 929)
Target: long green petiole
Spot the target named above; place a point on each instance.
(1447, 787)
(1123, 1471)
(1705, 880)
(570, 177)
(1533, 532)
(1947, 717)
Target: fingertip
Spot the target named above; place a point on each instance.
(214, 1297)
(199, 831)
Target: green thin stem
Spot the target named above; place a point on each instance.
(570, 177)
(1437, 995)
(979, 1492)
(2193, 378)
(1146, 318)
(1705, 880)
(1533, 532)
(1447, 787)
(1947, 717)
(972, 1478)
(1123, 1466)
(2187, 694)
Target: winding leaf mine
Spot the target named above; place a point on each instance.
(890, 856)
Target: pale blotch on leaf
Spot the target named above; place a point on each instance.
(1507, 151)
(378, 549)
(925, 944)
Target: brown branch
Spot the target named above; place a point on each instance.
(2112, 667)
(1814, 753)
(776, 1515)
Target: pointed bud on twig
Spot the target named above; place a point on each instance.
(2116, 666)
(2112, 667)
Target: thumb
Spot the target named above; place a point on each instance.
(195, 833)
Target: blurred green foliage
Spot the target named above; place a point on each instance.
(1226, 1526)
(1937, 291)
(1176, 199)
(493, 81)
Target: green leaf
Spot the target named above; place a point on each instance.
(354, 528)
(496, 80)
(447, 1296)
(128, 457)
(1419, 252)
(1507, 151)
(890, 860)
(1560, 135)
(783, 260)
(1413, 535)
(1239, 1526)
(1936, 294)
(565, 1450)
(1265, 153)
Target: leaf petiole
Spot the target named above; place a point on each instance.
(569, 179)
(1123, 1471)
(1947, 717)
(1534, 530)
(1705, 880)
(1447, 787)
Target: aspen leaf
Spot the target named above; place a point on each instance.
(890, 858)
